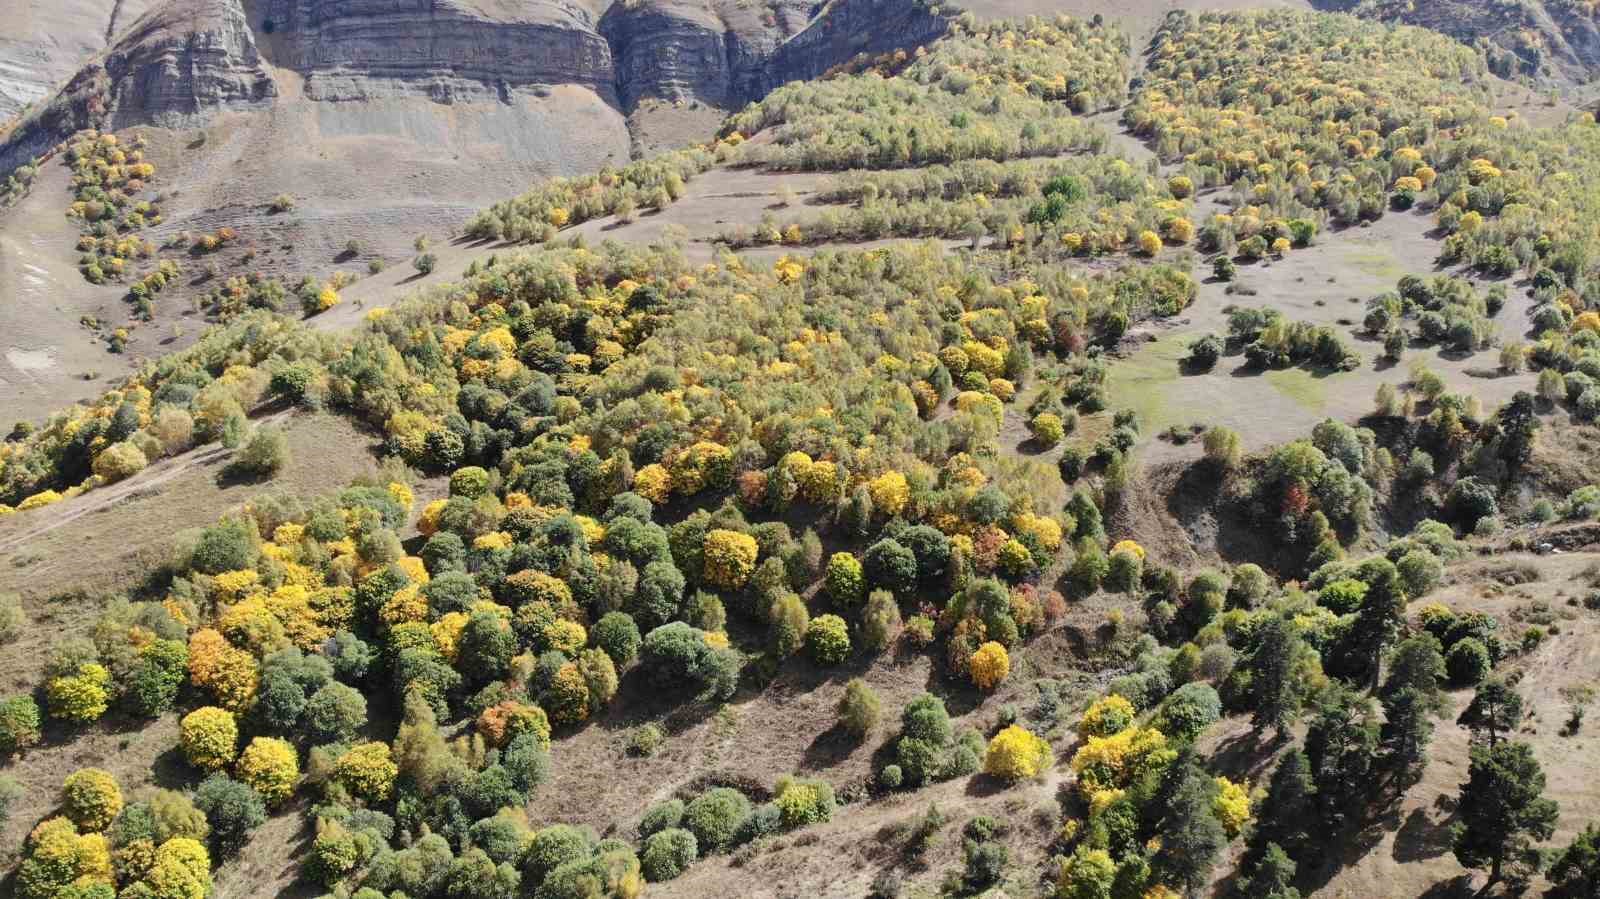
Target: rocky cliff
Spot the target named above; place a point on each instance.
(728, 53)
(1545, 39)
(172, 67)
(43, 42)
(184, 60)
(444, 49)
(846, 28)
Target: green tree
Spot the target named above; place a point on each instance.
(1417, 663)
(1379, 618)
(1341, 745)
(1495, 710)
(1576, 871)
(1277, 678)
(1502, 811)
(1272, 876)
(1287, 814)
(1407, 730)
(1191, 835)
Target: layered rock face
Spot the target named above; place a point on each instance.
(181, 61)
(172, 67)
(43, 42)
(683, 50)
(849, 28)
(728, 53)
(444, 49)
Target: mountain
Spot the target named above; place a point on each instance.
(1545, 39)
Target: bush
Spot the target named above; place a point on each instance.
(232, 809)
(1420, 572)
(162, 668)
(209, 737)
(891, 777)
(91, 798)
(714, 817)
(646, 740)
(729, 558)
(12, 618)
(890, 565)
(264, 454)
(1108, 715)
(119, 461)
(1204, 353)
(230, 545)
(271, 767)
(553, 847)
(335, 713)
(676, 653)
(828, 639)
(1470, 499)
(424, 263)
(859, 707)
(1047, 429)
(667, 853)
(844, 581)
(1188, 711)
(803, 801)
(1468, 662)
(618, 636)
(989, 665)
(661, 816)
(881, 624)
(1016, 754)
(19, 723)
(80, 697)
(367, 770)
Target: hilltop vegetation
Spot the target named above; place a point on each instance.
(623, 493)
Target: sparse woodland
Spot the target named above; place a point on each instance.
(610, 474)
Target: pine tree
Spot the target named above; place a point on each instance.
(1503, 811)
(1286, 814)
(1275, 676)
(1495, 710)
(1191, 835)
(1273, 877)
(1407, 730)
(1341, 745)
(1576, 871)
(1417, 663)
(1379, 619)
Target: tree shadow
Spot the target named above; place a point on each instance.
(982, 786)
(830, 747)
(1421, 837)
(171, 771)
(1457, 887)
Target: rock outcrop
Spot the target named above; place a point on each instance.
(1556, 41)
(444, 49)
(847, 28)
(44, 42)
(184, 60)
(729, 53)
(172, 67)
(181, 61)
(677, 50)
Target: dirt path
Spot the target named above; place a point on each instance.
(65, 512)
